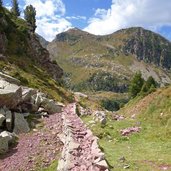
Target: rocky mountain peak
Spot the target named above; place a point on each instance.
(71, 35)
(148, 46)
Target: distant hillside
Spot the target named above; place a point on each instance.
(23, 57)
(42, 41)
(108, 62)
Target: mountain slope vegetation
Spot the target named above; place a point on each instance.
(22, 57)
(89, 60)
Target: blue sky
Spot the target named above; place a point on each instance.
(99, 16)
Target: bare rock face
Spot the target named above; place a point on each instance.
(149, 47)
(42, 56)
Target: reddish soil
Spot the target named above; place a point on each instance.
(36, 149)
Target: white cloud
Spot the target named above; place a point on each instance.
(49, 17)
(47, 7)
(127, 13)
(48, 28)
(76, 17)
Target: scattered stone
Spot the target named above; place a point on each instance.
(102, 164)
(128, 131)
(122, 159)
(127, 166)
(103, 121)
(44, 114)
(118, 117)
(83, 111)
(100, 116)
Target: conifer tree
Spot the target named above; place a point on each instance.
(15, 9)
(30, 16)
(136, 84)
(1, 3)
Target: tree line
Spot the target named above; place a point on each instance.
(139, 86)
(29, 13)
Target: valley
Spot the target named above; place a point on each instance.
(83, 101)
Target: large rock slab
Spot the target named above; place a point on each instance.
(10, 94)
(20, 124)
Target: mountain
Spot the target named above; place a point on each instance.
(108, 62)
(23, 57)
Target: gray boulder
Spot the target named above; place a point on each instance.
(51, 106)
(5, 139)
(99, 115)
(20, 124)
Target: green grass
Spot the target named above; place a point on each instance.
(144, 151)
(52, 167)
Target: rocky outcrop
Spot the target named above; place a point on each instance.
(149, 47)
(42, 56)
(26, 44)
(81, 150)
(16, 103)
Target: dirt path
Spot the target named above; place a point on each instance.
(36, 149)
(81, 151)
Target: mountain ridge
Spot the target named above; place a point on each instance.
(120, 54)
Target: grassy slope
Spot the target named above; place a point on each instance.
(23, 67)
(151, 148)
